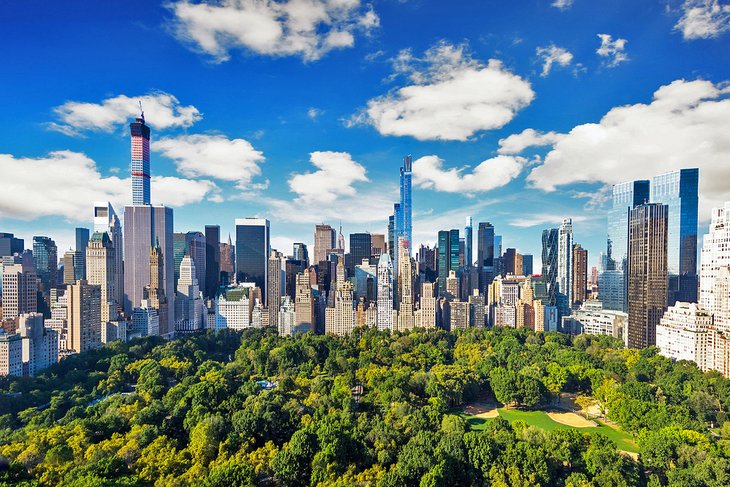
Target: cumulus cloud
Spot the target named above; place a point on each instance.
(562, 4)
(451, 96)
(612, 50)
(314, 113)
(66, 183)
(516, 143)
(335, 177)
(703, 19)
(162, 111)
(429, 172)
(306, 28)
(553, 54)
(214, 156)
(533, 220)
(687, 124)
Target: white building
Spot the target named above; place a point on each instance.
(11, 355)
(565, 259)
(189, 307)
(427, 308)
(40, 344)
(684, 333)
(145, 321)
(287, 317)
(385, 292)
(593, 319)
(715, 254)
(233, 310)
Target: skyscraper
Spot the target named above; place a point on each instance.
(19, 290)
(10, 245)
(678, 190)
(403, 217)
(647, 271)
(106, 220)
(378, 245)
(303, 304)
(228, 259)
(324, 242)
(391, 234)
(83, 316)
(565, 266)
(252, 252)
(715, 254)
(275, 277)
(156, 296)
(526, 264)
(188, 302)
(550, 264)
(212, 260)
(485, 255)
(82, 240)
(580, 274)
(101, 271)
(468, 242)
(385, 292)
(45, 259)
(140, 162)
(300, 253)
(360, 248)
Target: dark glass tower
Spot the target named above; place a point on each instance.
(679, 191)
(360, 247)
(485, 255)
(212, 260)
(45, 258)
(252, 252)
(442, 261)
(550, 264)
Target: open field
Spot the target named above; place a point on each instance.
(542, 420)
(570, 419)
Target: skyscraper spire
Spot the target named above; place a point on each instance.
(140, 133)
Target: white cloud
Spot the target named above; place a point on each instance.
(703, 19)
(686, 125)
(306, 28)
(452, 96)
(214, 156)
(553, 54)
(162, 111)
(428, 172)
(533, 220)
(335, 177)
(66, 184)
(562, 4)
(314, 113)
(612, 50)
(516, 143)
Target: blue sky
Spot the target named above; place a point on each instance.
(301, 110)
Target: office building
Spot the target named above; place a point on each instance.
(715, 254)
(39, 344)
(526, 264)
(145, 321)
(448, 258)
(10, 245)
(476, 309)
(252, 252)
(140, 133)
(324, 242)
(427, 305)
(406, 277)
(212, 272)
(300, 253)
(275, 285)
(106, 220)
(304, 305)
(385, 292)
(11, 355)
(565, 266)
(155, 295)
(287, 317)
(340, 320)
(82, 240)
(550, 265)
(365, 280)
(678, 191)
(485, 255)
(19, 290)
(192, 244)
(189, 307)
(45, 259)
(69, 266)
(647, 272)
(580, 274)
(452, 286)
(378, 244)
(228, 263)
(101, 271)
(83, 316)
(360, 248)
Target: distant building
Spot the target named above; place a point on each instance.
(83, 316)
(324, 242)
(593, 319)
(10, 245)
(550, 264)
(565, 266)
(45, 260)
(82, 240)
(19, 290)
(684, 333)
(459, 316)
(212, 261)
(189, 307)
(580, 274)
(252, 252)
(101, 271)
(378, 244)
(233, 309)
(304, 306)
(385, 292)
(715, 254)
(11, 355)
(526, 264)
(40, 344)
(427, 306)
(276, 278)
(194, 245)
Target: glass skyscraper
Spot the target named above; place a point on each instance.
(678, 190)
(485, 255)
(252, 252)
(550, 264)
(45, 258)
(140, 162)
(404, 219)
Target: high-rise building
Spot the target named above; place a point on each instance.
(406, 296)
(391, 233)
(324, 242)
(275, 285)
(580, 274)
(40, 344)
(192, 244)
(101, 271)
(83, 316)
(403, 217)
(156, 296)
(252, 252)
(448, 258)
(647, 272)
(45, 259)
(106, 220)
(378, 244)
(360, 248)
(340, 320)
(715, 254)
(69, 266)
(485, 255)
(303, 304)
(427, 306)
(19, 290)
(10, 245)
(452, 286)
(189, 306)
(146, 227)
(82, 240)
(11, 355)
(512, 262)
(526, 264)
(550, 264)
(565, 265)
(228, 263)
(140, 133)
(476, 309)
(212, 261)
(683, 333)
(365, 279)
(300, 253)
(468, 244)
(385, 292)
(233, 308)
(678, 190)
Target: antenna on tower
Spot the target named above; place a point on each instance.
(141, 109)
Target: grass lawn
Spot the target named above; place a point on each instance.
(539, 419)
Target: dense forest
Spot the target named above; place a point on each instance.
(372, 409)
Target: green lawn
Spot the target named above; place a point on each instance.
(539, 419)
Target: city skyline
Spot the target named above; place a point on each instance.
(563, 77)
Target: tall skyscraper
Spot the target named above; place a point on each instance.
(228, 260)
(378, 245)
(468, 242)
(647, 271)
(69, 266)
(101, 271)
(580, 274)
(485, 255)
(192, 244)
(156, 296)
(565, 266)
(212, 260)
(527, 264)
(340, 320)
(300, 253)
(404, 218)
(82, 240)
(45, 259)
(391, 234)
(140, 162)
(276, 278)
(83, 316)
(360, 248)
(405, 287)
(324, 242)
(550, 264)
(19, 290)
(303, 304)
(678, 190)
(10, 245)
(106, 220)
(252, 252)
(188, 301)
(385, 292)
(715, 254)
